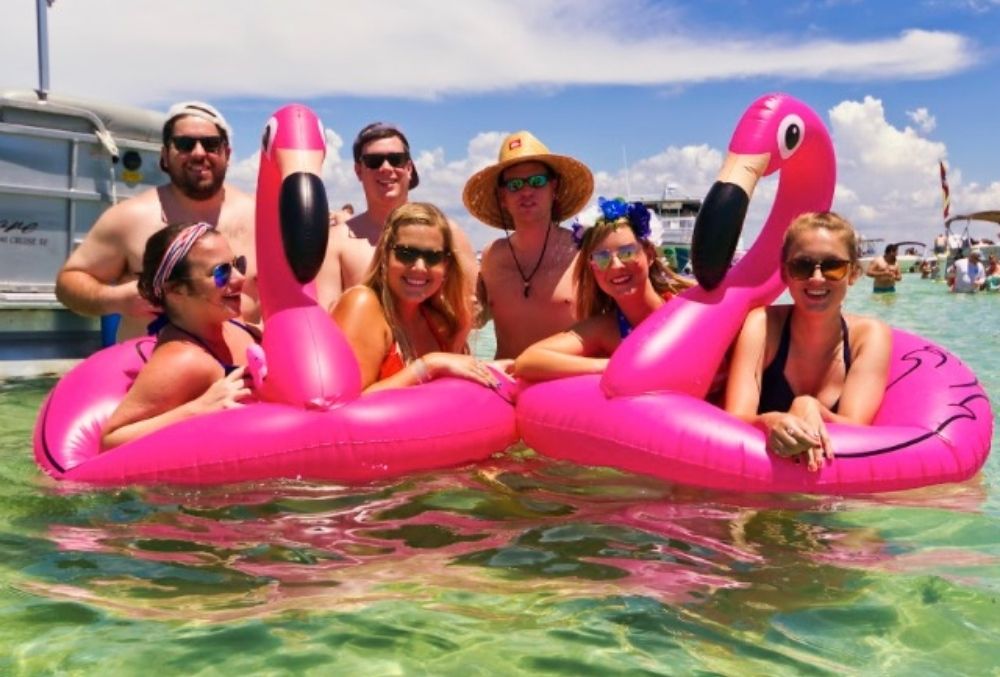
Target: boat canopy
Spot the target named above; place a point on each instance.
(21, 106)
(989, 215)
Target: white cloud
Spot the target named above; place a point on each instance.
(888, 178)
(922, 118)
(888, 182)
(419, 49)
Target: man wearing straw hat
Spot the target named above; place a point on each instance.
(525, 281)
(384, 166)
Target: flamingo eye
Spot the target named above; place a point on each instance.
(791, 131)
(270, 131)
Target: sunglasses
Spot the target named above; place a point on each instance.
(186, 144)
(535, 181)
(222, 273)
(375, 160)
(603, 257)
(831, 269)
(409, 255)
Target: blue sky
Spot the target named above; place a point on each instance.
(660, 83)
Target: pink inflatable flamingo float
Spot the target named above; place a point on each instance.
(310, 423)
(647, 413)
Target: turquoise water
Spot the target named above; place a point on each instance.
(515, 566)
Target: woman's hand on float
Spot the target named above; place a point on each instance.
(459, 366)
(225, 393)
(801, 431)
(503, 366)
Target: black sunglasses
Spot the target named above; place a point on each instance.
(535, 181)
(186, 144)
(222, 273)
(375, 160)
(409, 255)
(831, 269)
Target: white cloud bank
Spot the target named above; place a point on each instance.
(888, 183)
(147, 51)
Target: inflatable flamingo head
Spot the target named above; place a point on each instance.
(776, 133)
(291, 160)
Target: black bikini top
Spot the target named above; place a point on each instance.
(775, 392)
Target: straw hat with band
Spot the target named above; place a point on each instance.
(576, 183)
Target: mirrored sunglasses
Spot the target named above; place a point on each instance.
(222, 273)
(604, 257)
(534, 181)
(186, 144)
(831, 269)
(409, 255)
(375, 160)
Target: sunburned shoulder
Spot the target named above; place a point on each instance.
(359, 299)
(184, 360)
(136, 207)
(865, 328)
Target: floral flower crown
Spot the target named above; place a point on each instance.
(608, 211)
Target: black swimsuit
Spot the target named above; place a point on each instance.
(227, 368)
(775, 393)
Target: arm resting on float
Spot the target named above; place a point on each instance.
(584, 349)
(866, 381)
(177, 383)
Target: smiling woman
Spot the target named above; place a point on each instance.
(797, 367)
(620, 281)
(189, 272)
(406, 324)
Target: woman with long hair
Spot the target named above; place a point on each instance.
(191, 274)
(797, 367)
(407, 322)
(620, 280)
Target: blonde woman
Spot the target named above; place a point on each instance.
(407, 322)
(797, 367)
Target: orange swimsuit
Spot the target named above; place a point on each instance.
(393, 362)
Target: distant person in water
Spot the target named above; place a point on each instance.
(192, 277)
(620, 280)
(967, 275)
(992, 274)
(406, 322)
(885, 270)
(796, 368)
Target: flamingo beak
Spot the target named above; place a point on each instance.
(304, 211)
(720, 220)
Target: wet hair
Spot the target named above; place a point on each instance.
(830, 221)
(152, 255)
(890, 249)
(590, 298)
(450, 301)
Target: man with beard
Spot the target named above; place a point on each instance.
(99, 277)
